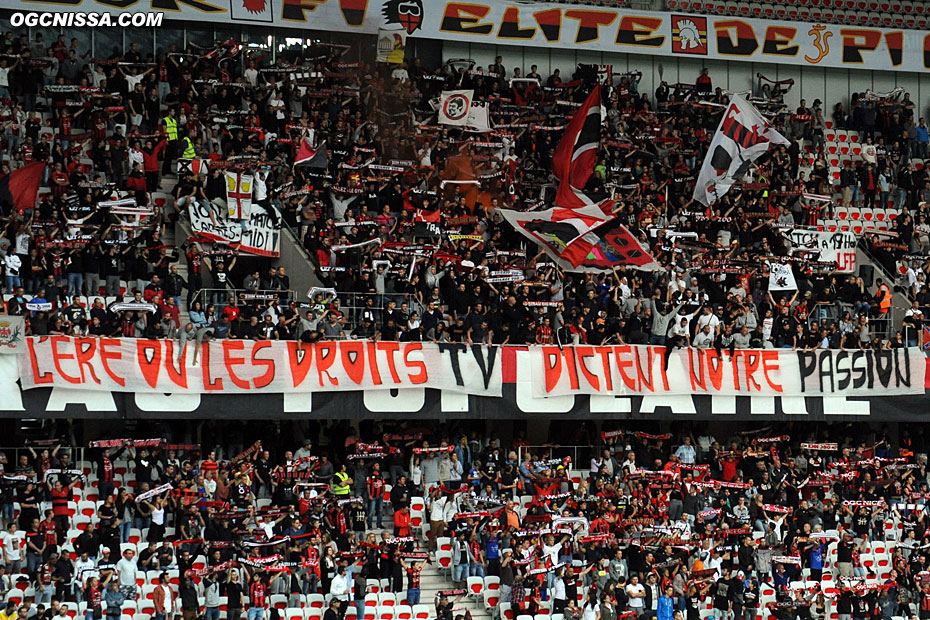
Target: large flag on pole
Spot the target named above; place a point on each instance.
(742, 137)
(574, 157)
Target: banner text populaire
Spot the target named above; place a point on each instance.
(246, 366)
(629, 370)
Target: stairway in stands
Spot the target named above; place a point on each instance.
(434, 579)
(173, 236)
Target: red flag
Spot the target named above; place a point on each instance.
(421, 215)
(20, 188)
(574, 157)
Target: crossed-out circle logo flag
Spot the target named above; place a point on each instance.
(454, 106)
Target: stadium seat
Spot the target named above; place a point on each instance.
(444, 559)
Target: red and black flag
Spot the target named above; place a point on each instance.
(312, 157)
(18, 190)
(427, 223)
(575, 156)
(584, 239)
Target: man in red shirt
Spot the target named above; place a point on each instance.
(59, 181)
(61, 495)
(703, 85)
(729, 462)
(231, 311)
(259, 594)
(544, 332)
(413, 580)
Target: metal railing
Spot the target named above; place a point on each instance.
(13, 454)
(219, 297)
(351, 304)
(823, 311)
(831, 312)
(581, 455)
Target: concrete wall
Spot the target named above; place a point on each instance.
(829, 85)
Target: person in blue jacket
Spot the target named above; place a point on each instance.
(666, 607)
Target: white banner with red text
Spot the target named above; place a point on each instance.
(642, 370)
(253, 367)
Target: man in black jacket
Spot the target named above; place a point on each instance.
(174, 284)
(849, 183)
(87, 541)
(333, 612)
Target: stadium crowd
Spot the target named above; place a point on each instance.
(664, 526)
(401, 215)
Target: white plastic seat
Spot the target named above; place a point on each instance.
(474, 586)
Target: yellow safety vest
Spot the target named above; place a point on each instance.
(340, 487)
(189, 152)
(171, 127)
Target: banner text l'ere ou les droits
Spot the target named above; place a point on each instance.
(246, 366)
(629, 370)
